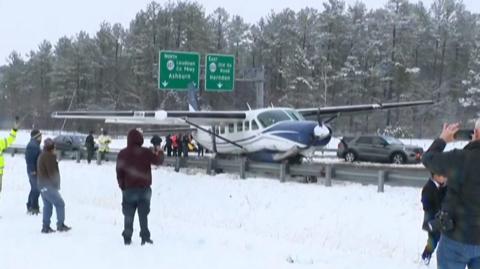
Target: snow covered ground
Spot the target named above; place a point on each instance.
(198, 221)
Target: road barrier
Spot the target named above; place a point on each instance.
(322, 173)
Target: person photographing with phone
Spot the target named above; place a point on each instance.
(459, 219)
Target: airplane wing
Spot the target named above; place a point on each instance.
(159, 117)
(328, 110)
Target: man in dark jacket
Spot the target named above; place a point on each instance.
(134, 177)
(433, 193)
(168, 145)
(459, 219)
(90, 145)
(31, 156)
(156, 142)
(49, 184)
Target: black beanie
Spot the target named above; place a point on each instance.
(35, 133)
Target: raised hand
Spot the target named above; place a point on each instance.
(449, 130)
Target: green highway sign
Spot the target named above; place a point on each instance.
(219, 72)
(178, 70)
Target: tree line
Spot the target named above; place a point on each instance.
(335, 56)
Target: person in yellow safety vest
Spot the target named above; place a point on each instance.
(104, 141)
(4, 144)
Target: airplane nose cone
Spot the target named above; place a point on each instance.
(321, 131)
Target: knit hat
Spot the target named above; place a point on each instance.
(35, 133)
(48, 144)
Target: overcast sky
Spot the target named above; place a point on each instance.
(25, 23)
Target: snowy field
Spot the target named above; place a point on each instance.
(198, 221)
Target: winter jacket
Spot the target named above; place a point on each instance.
(90, 142)
(174, 139)
(134, 163)
(4, 144)
(31, 155)
(432, 197)
(104, 141)
(48, 174)
(168, 141)
(462, 200)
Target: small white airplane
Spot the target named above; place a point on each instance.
(267, 134)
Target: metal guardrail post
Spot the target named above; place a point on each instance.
(14, 150)
(283, 171)
(211, 166)
(328, 176)
(99, 158)
(177, 164)
(381, 181)
(77, 156)
(243, 168)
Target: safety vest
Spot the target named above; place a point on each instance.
(4, 144)
(104, 140)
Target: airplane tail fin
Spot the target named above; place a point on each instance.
(193, 98)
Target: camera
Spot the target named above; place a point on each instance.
(463, 134)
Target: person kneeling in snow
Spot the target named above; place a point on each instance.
(432, 196)
(49, 185)
(134, 175)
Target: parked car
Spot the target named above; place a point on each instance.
(377, 148)
(69, 142)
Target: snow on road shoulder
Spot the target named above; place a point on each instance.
(199, 221)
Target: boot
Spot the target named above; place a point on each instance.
(145, 240)
(127, 241)
(47, 230)
(426, 256)
(35, 211)
(63, 228)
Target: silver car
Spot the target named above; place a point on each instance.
(378, 148)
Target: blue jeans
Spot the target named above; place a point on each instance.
(32, 202)
(452, 254)
(133, 199)
(51, 197)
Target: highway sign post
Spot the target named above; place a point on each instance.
(178, 70)
(219, 72)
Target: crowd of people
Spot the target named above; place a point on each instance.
(175, 145)
(181, 144)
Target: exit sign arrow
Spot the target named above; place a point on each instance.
(219, 85)
(164, 83)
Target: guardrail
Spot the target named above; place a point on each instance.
(322, 173)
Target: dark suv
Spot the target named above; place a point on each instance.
(377, 148)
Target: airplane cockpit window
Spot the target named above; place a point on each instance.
(247, 126)
(271, 117)
(254, 125)
(231, 128)
(239, 126)
(295, 115)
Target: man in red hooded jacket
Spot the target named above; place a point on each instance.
(134, 177)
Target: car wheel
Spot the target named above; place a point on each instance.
(398, 158)
(350, 156)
